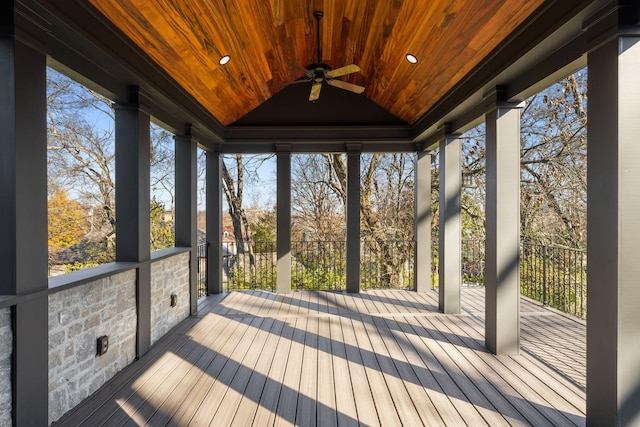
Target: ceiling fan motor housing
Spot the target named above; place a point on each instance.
(319, 69)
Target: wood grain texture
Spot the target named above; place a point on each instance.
(264, 38)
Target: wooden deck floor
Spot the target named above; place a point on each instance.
(323, 358)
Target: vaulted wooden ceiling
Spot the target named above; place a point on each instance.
(268, 40)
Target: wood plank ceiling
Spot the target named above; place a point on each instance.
(268, 39)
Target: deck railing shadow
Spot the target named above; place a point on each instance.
(315, 307)
(570, 354)
(334, 307)
(401, 304)
(434, 372)
(553, 347)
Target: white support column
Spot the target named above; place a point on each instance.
(422, 222)
(353, 220)
(502, 255)
(613, 218)
(449, 265)
(214, 223)
(283, 234)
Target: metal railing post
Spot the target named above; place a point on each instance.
(545, 300)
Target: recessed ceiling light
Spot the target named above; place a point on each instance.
(224, 60)
(411, 58)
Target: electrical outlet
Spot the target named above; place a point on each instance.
(103, 345)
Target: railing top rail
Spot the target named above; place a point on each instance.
(559, 247)
(527, 243)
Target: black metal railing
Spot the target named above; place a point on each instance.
(555, 276)
(319, 265)
(251, 267)
(472, 259)
(201, 277)
(387, 264)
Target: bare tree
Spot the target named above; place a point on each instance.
(386, 207)
(318, 213)
(81, 156)
(236, 170)
(81, 150)
(553, 165)
(233, 187)
(162, 170)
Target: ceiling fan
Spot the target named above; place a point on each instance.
(318, 72)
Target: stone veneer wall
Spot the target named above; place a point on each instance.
(6, 349)
(169, 276)
(77, 317)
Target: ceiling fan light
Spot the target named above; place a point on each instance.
(411, 58)
(224, 60)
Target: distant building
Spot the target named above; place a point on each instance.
(229, 240)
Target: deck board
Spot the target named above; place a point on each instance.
(307, 388)
(489, 379)
(346, 412)
(382, 395)
(248, 404)
(288, 399)
(326, 387)
(364, 395)
(268, 403)
(238, 388)
(427, 373)
(177, 384)
(382, 357)
(452, 384)
(190, 403)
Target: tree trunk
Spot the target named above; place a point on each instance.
(234, 195)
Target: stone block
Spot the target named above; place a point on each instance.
(58, 404)
(56, 339)
(85, 348)
(74, 330)
(55, 358)
(68, 315)
(92, 322)
(92, 293)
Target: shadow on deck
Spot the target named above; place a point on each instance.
(327, 358)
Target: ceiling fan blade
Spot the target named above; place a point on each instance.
(315, 91)
(308, 73)
(346, 86)
(347, 69)
(300, 80)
